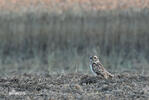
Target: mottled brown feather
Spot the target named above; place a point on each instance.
(98, 68)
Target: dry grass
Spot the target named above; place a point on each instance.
(63, 34)
(32, 42)
(76, 5)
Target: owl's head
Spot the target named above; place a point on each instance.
(94, 59)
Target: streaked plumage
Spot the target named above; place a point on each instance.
(98, 69)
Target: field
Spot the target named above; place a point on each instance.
(31, 40)
(51, 41)
(74, 86)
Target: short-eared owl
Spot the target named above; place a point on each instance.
(98, 69)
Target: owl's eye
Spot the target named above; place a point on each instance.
(95, 57)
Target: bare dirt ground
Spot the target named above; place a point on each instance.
(74, 86)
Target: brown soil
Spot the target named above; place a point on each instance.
(73, 86)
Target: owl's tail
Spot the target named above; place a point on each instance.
(108, 75)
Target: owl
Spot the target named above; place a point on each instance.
(98, 69)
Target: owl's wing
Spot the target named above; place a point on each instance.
(98, 68)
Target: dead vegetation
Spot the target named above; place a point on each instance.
(77, 6)
(62, 34)
(31, 40)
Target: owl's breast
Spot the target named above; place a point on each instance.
(91, 68)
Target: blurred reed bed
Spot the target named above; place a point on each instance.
(53, 42)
